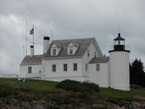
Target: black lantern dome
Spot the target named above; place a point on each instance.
(119, 43)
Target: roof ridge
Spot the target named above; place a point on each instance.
(74, 39)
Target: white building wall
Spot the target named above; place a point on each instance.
(99, 77)
(24, 69)
(86, 59)
(60, 73)
(119, 70)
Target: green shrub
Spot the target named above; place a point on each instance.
(76, 86)
(91, 86)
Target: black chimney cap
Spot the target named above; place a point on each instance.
(46, 38)
(31, 46)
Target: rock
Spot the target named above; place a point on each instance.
(38, 107)
(134, 86)
(136, 105)
(98, 106)
(115, 101)
(26, 104)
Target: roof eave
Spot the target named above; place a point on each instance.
(97, 47)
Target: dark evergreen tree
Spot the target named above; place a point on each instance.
(137, 75)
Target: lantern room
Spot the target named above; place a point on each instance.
(119, 43)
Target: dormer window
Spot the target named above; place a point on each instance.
(55, 49)
(54, 52)
(70, 51)
(72, 48)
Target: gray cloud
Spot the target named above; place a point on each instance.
(68, 19)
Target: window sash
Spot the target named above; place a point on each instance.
(54, 51)
(75, 67)
(97, 67)
(71, 51)
(64, 67)
(54, 68)
(29, 69)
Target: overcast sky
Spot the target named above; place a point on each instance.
(68, 19)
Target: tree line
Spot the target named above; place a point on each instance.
(137, 74)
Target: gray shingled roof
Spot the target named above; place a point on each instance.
(74, 43)
(35, 60)
(99, 60)
(83, 45)
(58, 45)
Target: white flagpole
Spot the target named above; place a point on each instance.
(33, 35)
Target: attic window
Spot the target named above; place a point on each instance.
(54, 52)
(71, 51)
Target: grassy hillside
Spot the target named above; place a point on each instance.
(41, 84)
(36, 84)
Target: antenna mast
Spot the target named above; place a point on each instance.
(51, 35)
(23, 51)
(26, 37)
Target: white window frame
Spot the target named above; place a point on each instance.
(53, 68)
(97, 67)
(75, 68)
(54, 53)
(30, 69)
(64, 67)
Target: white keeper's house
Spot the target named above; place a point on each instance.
(79, 59)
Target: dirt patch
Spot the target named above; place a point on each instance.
(139, 97)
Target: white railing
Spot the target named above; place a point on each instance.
(10, 75)
(127, 47)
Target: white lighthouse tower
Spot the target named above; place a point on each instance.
(119, 65)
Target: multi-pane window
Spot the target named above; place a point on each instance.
(29, 69)
(97, 67)
(65, 67)
(71, 51)
(54, 68)
(75, 66)
(54, 51)
(86, 67)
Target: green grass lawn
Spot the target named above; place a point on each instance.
(109, 92)
(36, 84)
(41, 84)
